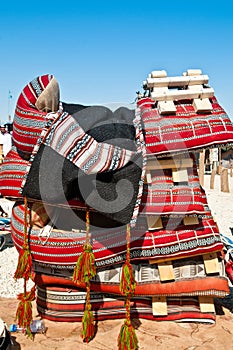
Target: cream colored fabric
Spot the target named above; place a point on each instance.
(39, 216)
(49, 99)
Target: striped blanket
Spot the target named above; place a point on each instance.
(184, 130)
(190, 279)
(163, 196)
(67, 305)
(62, 244)
(94, 154)
(67, 138)
(105, 171)
(29, 120)
(12, 174)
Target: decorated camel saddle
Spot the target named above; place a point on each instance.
(108, 204)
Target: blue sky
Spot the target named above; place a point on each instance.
(102, 51)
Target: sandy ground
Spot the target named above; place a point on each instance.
(220, 203)
(151, 335)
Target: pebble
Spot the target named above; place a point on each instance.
(9, 287)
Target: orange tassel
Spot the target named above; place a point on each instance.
(24, 266)
(127, 283)
(24, 311)
(127, 339)
(85, 268)
(84, 271)
(88, 327)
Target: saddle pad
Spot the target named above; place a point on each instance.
(12, 173)
(62, 247)
(185, 130)
(165, 196)
(190, 278)
(28, 120)
(65, 305)
(99, 161)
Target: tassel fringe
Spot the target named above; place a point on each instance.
(85, 268)
(24, 270)
(88, 327)
(127, 339)
(84, 271)
(127, 283)
(24, 311)
(24, 266)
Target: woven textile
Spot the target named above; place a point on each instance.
(163, 196)
(12, 173)
(105, 146)
(185, 130)
(62, 247)
(28, 120)
(67, 305)
(68, 139)
(190, 279)
(97, 157)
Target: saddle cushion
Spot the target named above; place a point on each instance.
(185, 130)
(29, 120)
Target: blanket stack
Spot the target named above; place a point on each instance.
(175, 245)
(141, 172)
(181, 117)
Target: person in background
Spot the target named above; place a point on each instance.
(5, 140)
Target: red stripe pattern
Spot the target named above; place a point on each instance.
(28, 120)
(62, 305)
(175, 240)
(185, 130)
(68, 139)
(12, 173)
(162, 196)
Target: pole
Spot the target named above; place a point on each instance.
(8, 108)
(224, 180)
(202, 167)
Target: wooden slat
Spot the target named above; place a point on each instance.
(148, 178)
(160, 90)
(1, 153)
(212, 178)
(201, 167)
(190, 220)
(193, 72)
(180, 175)
(211, 263)
(158, 74)
(166, 107)
(202, 105)
(206, 304)
(154, 222)
(183, 94)
(166, 272)
(224, 181)
(165, 268)
(159, 306)
(179, 81)
(173, 163)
